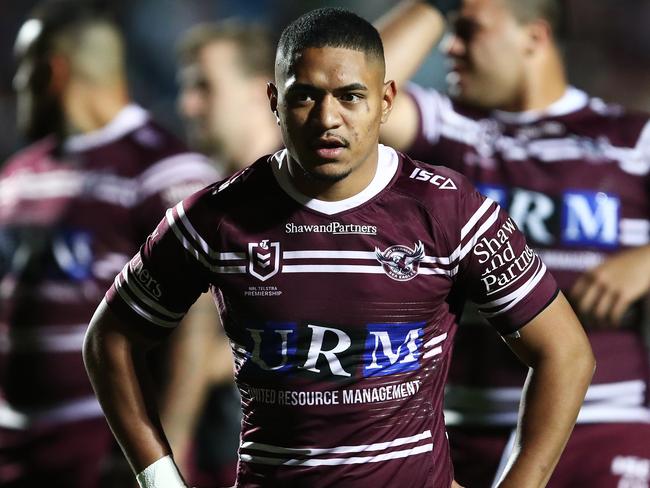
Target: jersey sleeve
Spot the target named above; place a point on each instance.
(438, 126)
(167, 182)
(500, 273)
(162, 281)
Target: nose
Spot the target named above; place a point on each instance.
(452, 46)
(327, 113)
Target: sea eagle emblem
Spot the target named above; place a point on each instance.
(401, 263)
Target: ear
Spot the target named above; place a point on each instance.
(539, 35)
(390, 90)
(59, 73)
(272, 93)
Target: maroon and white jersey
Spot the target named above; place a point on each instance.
(69, 220)
(340, 314)
(575, 179)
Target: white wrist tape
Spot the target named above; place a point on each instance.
(161, 474)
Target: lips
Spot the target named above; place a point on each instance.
(329, 148)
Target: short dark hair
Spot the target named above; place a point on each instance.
(329, 27)
(529, 10)
(253, 42)
(59, 16)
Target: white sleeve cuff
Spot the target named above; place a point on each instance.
(161, 474)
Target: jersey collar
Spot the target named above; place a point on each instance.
(387, 165)
(572, 101)
(127, 120)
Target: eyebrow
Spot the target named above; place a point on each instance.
(340, 89)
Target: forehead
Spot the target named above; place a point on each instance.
(330, 67)
(484, 11)
(218, 51)
(215, 59)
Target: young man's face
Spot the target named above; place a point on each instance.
(487, 52)
(214, 96)
(330, 103)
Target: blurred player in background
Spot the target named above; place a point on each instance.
(339, 278)
(73, 207)
(573, 173)
(223, 71)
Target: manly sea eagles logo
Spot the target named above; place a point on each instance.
(401, 262)
(263, 259)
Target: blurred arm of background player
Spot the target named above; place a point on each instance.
(199, 357)
(223, 68)
(409, 31)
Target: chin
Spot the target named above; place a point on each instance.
(324, 172)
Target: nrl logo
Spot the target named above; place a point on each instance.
(401, 263)
(263, 259)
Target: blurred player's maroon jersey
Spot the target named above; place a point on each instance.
(575, 179)
(341, 314)
(69, 220)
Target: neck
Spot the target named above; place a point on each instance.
(354, 183)
(90, 107)
(545, 83)
(239, 152)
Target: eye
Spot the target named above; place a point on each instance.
(351, 97)
(300, 98)
(304, 97)
(465, 29)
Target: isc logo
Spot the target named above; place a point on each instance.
(579, 218)
(376, 350)
(440, 181)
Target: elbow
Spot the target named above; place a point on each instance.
(583, 363)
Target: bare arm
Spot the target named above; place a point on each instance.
(114, 355)
(561, 363)
(409, 32)
(194, 347)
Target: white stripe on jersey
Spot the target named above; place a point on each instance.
(175, 170)
(379, 446)
(335, 461)
(230, 256)
(439, 119)
(71, 411)
(519, 294)
(61, 339)
(329, 254)
(332, 268)
(429, 102)
(634, 232)
(135, 306)
(192, 231)
(434, 342)
(475, 218)
(482, 230)
(134, 286)
(66, 184)
(355, 268)
(622, 401)
(176, 224)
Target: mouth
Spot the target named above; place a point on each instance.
(329, 147)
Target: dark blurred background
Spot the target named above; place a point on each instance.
(606, 42)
